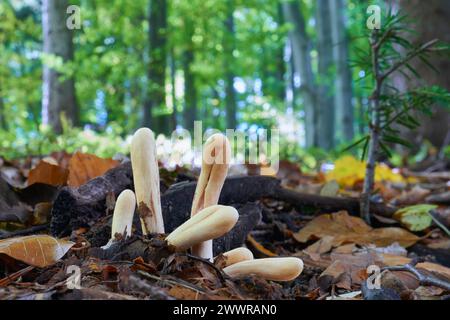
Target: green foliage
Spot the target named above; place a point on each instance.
(398, 109)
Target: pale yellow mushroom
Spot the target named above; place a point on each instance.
(277, 269)
(215, 163)
(237, 255)
(122, 217)
(210, 223)
(123, 214)
(146, 181)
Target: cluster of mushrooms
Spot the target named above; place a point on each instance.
(208, 219)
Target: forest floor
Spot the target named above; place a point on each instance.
(54, 218)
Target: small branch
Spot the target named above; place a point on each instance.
(24, 232)
(424, 280)
(408, 57)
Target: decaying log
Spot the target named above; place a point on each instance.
(249, 217)
(323, 204)
(84, 206)
(79, 207)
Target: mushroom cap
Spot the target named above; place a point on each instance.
(237, 255)
(123, 213)
(277, 269)
(210, 223)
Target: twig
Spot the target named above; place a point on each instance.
(219, 272)
(424, 280)
(12, 277)
(24, 232)
(440, 224)
(409, 57)
(179, 282)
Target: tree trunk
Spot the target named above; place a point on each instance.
(58, 96)
(3, 123)
(300, 44)
(230, 95)
(325, 115)
(343, 80)
(431, 22)
(156, 72)
(173, 70)
(190, 92)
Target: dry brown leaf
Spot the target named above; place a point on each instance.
(48, 173)
(322, 246)
(38, 250)
(348, 229)
(84, 167)
(183, 293)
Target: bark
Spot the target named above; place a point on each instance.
(300, 44)
(3, 124)
(343, 80)
(325, 103)
(230, 95)
(173, 70)
(156, 73)
(430, 22)
(58, 96)
(190, 91)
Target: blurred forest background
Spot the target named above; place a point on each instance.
(244, 64)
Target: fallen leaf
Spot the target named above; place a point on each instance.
(416, 195)
(347, 229)
(48, 173)
(415, 218)
(38, 250)
(84, 167)
(322, 246)
(259, 247)
(330, 189)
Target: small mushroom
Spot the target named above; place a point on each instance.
(277, 269)
(215, 162)
(237, 255)
(210, 223)
(123, 216)
(146, 181)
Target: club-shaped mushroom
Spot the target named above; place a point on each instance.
(210, 223)
(123, 216)
(215, 161)
(237, 255)
(146, 181)
(277, 269)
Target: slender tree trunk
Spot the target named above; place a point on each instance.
(280, 71)
(230, 94)
(156, 72)
(190, 91)
(58, 96)
(173, 70)
(3, 123)
(343, 80)
(325, 116)
(302, 61)
(431, 21)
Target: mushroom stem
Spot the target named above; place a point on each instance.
(123, 214)
(146, 181)
(277, 269)
(210, 223)
(237, 255)
(215, 162)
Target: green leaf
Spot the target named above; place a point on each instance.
(415, 218)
